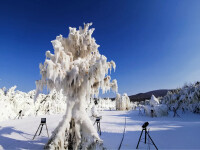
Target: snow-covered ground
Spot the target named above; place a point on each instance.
(167, 132)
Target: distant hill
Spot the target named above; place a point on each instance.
(147, 95)
(143, 96)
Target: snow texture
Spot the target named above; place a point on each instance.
(167, 132)
(80, 71)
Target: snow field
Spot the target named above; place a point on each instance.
(167, 132)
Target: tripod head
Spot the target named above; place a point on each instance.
(144, 126)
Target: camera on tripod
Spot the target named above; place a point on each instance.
(42, 123)
(97, 121)
(145, 125)
(144, 129)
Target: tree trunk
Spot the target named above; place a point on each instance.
(75, 131)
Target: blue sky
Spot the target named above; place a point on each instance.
(155, 44)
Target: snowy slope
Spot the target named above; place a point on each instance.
(167, 132)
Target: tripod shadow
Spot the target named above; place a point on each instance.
(19, 143)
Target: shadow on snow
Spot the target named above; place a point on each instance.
(10, 143)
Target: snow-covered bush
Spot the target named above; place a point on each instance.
(53, 103)
(122, 102)
(105, 104)
(6, 104)
(155, 108)
(79, 70)
(147, 102)
(153, 101)
(133, 105)
(187, 98)
(12, 101)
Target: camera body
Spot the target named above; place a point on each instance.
(145, 125)
(98, 119)
(43, 120)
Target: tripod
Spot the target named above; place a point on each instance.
(43, 122)
(98, 125)
(19, 114)
(146, 133)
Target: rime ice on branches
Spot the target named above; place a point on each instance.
(80, 71)
(122, 102)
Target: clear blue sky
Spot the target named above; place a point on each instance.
(155, 44)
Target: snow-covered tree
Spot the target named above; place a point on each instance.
(13, 101)
(53, 103)
(80, 71)
(154, 108)
(118, 101)
(105, 104)
(153, 101)
(122, 102)
(185, 98)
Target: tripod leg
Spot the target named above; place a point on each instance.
(148, 142)
(47, 130)
(36, 132)
(152, 141)
(99, 128)
(139, 140)
(145, 140)
(40, 130)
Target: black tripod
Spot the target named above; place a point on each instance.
(43, 122)
(19, 115)
(98, 124)
(144, 128)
